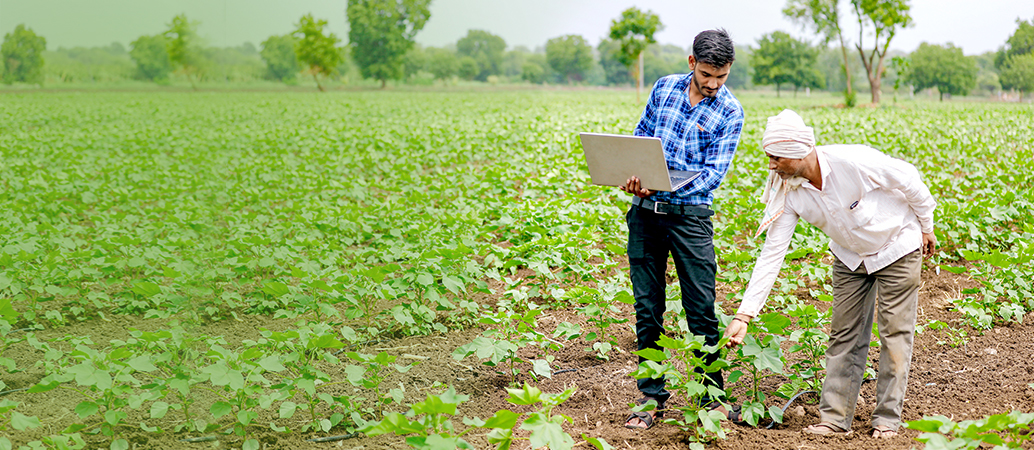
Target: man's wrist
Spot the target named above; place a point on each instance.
(743, 318)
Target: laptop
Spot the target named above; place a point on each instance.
(613, 159)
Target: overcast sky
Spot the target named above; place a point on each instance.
(976, 26)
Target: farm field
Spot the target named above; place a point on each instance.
(255, 270)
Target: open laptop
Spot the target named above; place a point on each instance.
(613, 159)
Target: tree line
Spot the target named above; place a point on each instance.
(381, 47)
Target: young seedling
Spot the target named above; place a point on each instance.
(428, 421)
(1003, 431)
(370, 373)
(688, 352)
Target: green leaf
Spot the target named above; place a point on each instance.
(502, 418)
(21, 422)
(146, 289)
(158, 409)
(220, 409)
(547, 432)
(251, 444)
(287, 409)
(600, 443)
(275, 288)
(651, 354)
(86, 409)
(119, 444)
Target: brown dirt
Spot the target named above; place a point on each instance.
(988, 375)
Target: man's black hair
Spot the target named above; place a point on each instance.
(714, 47)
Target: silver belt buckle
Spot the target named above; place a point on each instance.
(655, 205)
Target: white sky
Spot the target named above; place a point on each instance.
(975, 26)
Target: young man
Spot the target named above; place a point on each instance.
(699, 122)
(879, 217)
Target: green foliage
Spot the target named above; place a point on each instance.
(1020, 43)
(569, 55)
(318, 52)
(615, 70)
(430, 421)
(485, 48)
(633, 32)
(885, 18)
(1018, 73)
(780, 59)
(1003, 431)
(442, 63)
(381, 31)
(682, 365)
(22, 53)
(152, 57)
(513, 332)
(184, 46)
(944, 68)
(281, 60)
(759, 357)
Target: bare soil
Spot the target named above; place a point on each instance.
(987, 375)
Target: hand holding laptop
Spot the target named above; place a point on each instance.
(632, 186)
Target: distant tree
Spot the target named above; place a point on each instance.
(662, 60)
(1020, 43)
(614, 69)
(281, 60)
(886, 18)
(822, 16)
(318, 52)
(381, 32)
(570, 56)
(740, 74)
(988, 82)
(151, 55)
(184, 47)
(780, 59)
(442, 63)
(634, 31)
(1018, 73)
(513, 60)
(486, 48)
(533, 73)
(414, 62)
(468, 68)
(944, 68)
(22, 53)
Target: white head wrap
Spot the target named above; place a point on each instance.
(785, 136)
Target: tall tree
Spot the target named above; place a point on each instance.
(151, 55)
(381, 32)
(635, 31)
(318, 52)
(944, 68)
(615, 70)
(442, 63)
(1020, 43)
(1019, 73)
(569, 55)
(780, 59)
(281, 61)
(486, 48)
(823, 16)
(885, 18)
(184, 47)
(22, 53)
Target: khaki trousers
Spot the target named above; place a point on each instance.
(895, 289)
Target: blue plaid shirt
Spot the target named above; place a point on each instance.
(700, 138)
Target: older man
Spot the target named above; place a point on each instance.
(879, 217)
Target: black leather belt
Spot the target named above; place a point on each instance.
(669, 208)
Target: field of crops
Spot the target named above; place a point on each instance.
(254, 270)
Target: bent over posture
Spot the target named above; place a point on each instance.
(879, 217)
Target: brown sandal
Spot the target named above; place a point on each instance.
(646, 417)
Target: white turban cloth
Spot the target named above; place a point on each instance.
(785, 136)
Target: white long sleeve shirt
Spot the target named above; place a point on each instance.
(873, 207)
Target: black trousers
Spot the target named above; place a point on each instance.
(689, 240)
